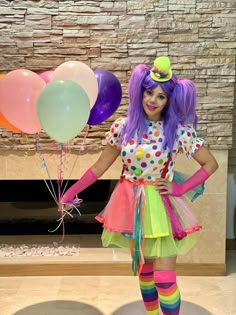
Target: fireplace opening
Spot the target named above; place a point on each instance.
(28, 208)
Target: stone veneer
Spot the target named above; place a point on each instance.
(198, 35)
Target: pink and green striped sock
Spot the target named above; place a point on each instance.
(168, 292)
(148, 290)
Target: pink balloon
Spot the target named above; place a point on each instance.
(80, 73)
(19, 91)
(46, 76)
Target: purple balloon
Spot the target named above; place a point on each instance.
(109, 97)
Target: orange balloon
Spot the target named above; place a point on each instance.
(2, 75)
(5, 123)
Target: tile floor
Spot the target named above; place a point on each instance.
(113, 295)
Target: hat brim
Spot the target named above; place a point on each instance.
(167, 78)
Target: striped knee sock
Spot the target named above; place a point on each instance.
(148, 290)
(168, 292)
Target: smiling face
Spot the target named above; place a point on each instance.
(154, 101)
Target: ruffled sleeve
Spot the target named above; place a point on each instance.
(113, 135)
(188, 142)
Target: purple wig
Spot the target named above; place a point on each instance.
(181, 108)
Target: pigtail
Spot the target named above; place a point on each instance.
(135, 121)
(180, 110)
(184, 101)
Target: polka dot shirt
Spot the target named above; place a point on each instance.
(147, 160)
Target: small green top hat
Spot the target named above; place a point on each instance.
(161, 70)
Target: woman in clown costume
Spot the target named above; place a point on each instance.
(146, 212)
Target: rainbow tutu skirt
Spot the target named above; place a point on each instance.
(151, 225)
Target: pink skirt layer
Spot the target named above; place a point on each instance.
(158, 221)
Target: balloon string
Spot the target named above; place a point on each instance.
(82, 145)
(74, 207)
(82, 148)
(62, 156)
(63, 214)
(60, 170)
(60, 181)
(66, 160)
(61, 153)
(44, 165)
(50, 191)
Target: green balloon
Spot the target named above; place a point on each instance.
(63, 109)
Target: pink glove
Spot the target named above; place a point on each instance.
(85, 181)
(195, 180)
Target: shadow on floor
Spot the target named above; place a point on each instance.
(136, 308)
(59, 308)
(62, 307)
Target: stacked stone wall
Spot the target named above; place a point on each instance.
(198, 35)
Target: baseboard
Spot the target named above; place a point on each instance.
(100, 269)
(230, 244)
(201, 269)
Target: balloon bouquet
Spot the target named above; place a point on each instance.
(61, 102)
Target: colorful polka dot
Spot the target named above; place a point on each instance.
(138, 171)
(140, 161)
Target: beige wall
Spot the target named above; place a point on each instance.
(210, 208)
(211, 211)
